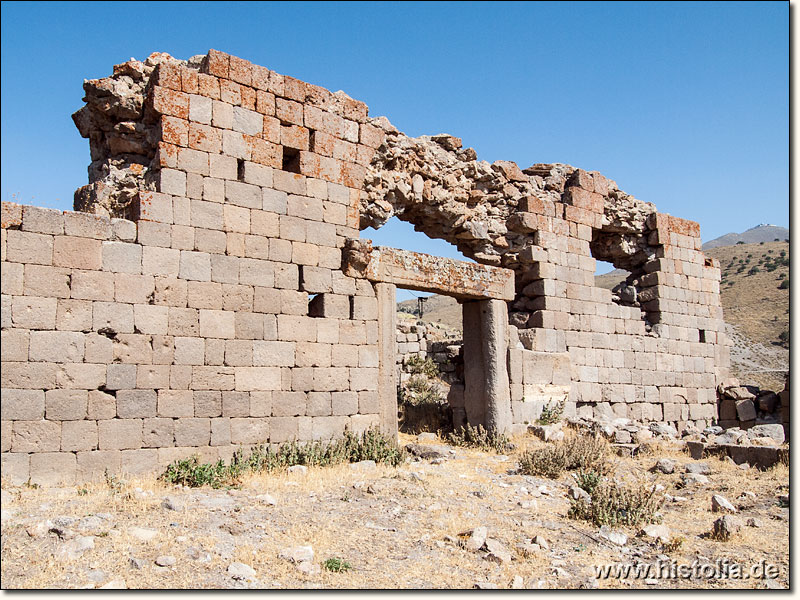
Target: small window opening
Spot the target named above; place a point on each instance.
(702, 336)
(291, 160)
(240, 169)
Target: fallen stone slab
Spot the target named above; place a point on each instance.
(756, 456)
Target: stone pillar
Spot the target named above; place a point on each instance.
(474, 380)
(387, 347)
(487, 398)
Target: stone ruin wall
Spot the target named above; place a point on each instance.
(197, 301)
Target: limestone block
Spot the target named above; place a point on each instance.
(121, 257)
(253, 271)
(74, 315)
(15, 467)
(29, 248)
(42, 220)
(217, 324)
(261, 404)
(120, 434)
(344, 403)
(326, 428)
(332, 379)
(250, 430)
(220, 432)
(56, 346)
(46, 281)
(319, 404)
(152, 376)
(288, 404)
(13, 277)
(101, 405)
(15, 344)
(257, 378)
(31, 312)
(36, 436)
(53, 468)
(207, 403)
(92, 465)
(66, 405)
(293, 328)
(22, 405)
(136, 404)
(283, 429)
(235, 404)
(23, 375)
(192, 432)
(78, 436)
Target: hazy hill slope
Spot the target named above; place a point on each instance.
(754, 235)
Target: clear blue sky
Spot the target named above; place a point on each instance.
(683, 104)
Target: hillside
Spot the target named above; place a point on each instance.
(754, 235)
(756, 309)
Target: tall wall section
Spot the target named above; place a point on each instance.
(197, 301)
(218, 315)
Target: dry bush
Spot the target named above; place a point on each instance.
(614, 503)
(478, 437)
(583, 452)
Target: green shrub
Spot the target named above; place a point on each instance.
(552, 413)
(478, 437)
(420, 390)
(615, 504)
(588, 479)
(784, 285)
(192, 473)
(370, 445)
(416, 365)
(336, 565)
(577, 452)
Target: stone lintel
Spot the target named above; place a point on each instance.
(427, 273)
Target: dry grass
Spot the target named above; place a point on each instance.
(395, 535)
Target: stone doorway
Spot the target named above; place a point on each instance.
(483, 292)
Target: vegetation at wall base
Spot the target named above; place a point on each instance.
(370, 445)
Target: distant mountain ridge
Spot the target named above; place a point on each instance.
(754, 235)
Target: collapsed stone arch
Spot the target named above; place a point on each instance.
(498, 214)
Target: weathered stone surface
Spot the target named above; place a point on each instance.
(426, 273)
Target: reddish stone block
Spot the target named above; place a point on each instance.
(165, 101)
(175, 131)
(370, 136)
(205, 138)
(217, 63)
(208, 86)
(265, 103)
(189, 80)
(167, 75)
(264, 152)
(240, 70)
(294, 89)
(272, 130)
(295, 137)
(353, 175)
(322, 143)
(248, 98)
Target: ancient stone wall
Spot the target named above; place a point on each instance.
(218, 315)
(198, 300)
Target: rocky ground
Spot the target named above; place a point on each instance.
(459, 518)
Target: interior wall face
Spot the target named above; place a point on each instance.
(196, 300)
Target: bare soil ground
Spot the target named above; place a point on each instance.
(397, 528)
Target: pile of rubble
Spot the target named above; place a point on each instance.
(746, 405)
(760, 445)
